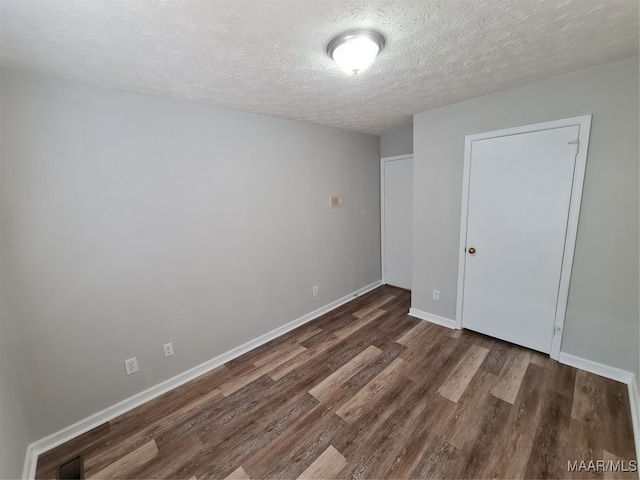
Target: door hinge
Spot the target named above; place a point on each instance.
(556, 329)
(576, 142)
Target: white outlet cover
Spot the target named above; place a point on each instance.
(168, 349)
(336, 201)
(131, 366)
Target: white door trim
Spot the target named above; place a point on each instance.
(383, 160)
(584, 124)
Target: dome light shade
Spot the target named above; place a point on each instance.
(355, 51)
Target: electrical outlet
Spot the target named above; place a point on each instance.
(131, 366)
(315, 291)
(436, 295)
(168, 349)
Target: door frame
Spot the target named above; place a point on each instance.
(584, 124)
(383, 259)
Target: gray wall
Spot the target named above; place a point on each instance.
(131, 221)
(14, 429)
(397, 142)
(602, 314)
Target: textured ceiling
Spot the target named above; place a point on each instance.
(269, 56)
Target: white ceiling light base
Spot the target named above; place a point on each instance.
(355, 51)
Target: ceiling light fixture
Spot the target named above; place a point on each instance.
(355, 51)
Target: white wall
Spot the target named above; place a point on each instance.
(131, 221)
(397, 142)
(602, 314)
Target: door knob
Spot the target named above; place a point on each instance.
(471, 250)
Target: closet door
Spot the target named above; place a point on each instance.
(397, 211)
(519, 198)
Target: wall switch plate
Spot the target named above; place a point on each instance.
(436, 295)
(315, 291)
(131, 366)
(336, 201)
(168, 349)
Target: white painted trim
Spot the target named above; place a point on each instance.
(30, 463)
(430, 317)
(462, 257)
(584, 124)
(598, 368)
(383, 257)
(634, 400)
(92, 421)
(405, 156)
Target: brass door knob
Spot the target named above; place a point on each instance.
(471, 250)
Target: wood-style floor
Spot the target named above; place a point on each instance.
(368, 392)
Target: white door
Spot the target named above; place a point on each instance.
(397, 220)
(519, 199)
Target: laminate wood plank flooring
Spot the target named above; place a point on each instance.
(367, 391)
(511, 376)
(459, 379)
(238, 474)
(327, 465)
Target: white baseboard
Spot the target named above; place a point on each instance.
(634, 400)
(30, 463)
(430, 317)
(598, 368)
(40, 446)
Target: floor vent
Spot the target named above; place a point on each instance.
(72, 470)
